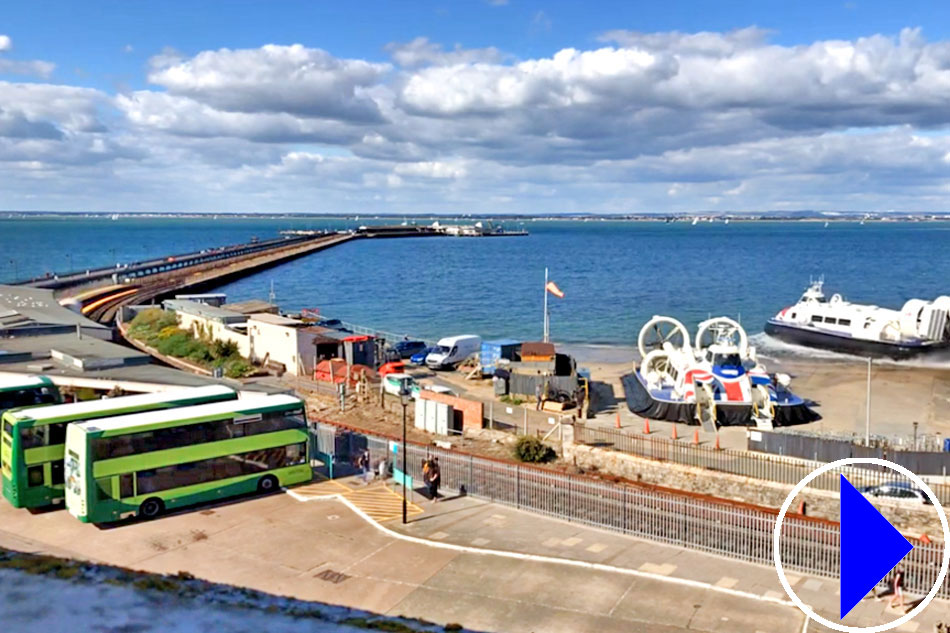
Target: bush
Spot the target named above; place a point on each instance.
(531, 449)
(237, 368)
(224, 349)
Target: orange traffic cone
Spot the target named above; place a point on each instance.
(646, 426)
(802, 508)
(696, 437)
(675, 437)
(717, 443)
(618, 419)
(925, 539)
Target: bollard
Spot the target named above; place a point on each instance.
(675, 436)
(718, 448)
(646, 426)
(696, 437)
(618, 420)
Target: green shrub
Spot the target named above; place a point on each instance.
(237, 368)
(530, 449)
(224, 349)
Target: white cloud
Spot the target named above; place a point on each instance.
(5, 43)
(292, 79)
(641, 122)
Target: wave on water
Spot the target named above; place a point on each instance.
(773, 348)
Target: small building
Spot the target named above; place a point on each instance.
(26, 311)
(209, 321)
(494, 351)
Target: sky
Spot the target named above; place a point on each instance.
(474, 106)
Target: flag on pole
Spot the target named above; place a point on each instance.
(554, 290)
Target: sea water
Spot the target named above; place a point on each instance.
(615, 274)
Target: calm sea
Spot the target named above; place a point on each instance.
(615, 275)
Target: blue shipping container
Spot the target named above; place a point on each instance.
(492, 351)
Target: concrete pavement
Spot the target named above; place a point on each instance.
(320, 544)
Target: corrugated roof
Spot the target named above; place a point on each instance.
(22, 306)
(537, 349)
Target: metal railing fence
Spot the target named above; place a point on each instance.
(694, 522)
(784, 470)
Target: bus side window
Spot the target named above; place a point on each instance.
(56, 473)
(34, 476)
(32, 437)
(126, 489)
(57, 433)
(104, 489)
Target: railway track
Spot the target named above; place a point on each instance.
(103, 304)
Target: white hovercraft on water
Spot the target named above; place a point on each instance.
(716, 380)
(919, 327)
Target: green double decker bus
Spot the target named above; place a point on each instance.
(31, 462)
(24, 390)
(144, 464)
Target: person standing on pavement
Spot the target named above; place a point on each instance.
(539, 393)
(364, 465)
(898, 584)
(433, 478)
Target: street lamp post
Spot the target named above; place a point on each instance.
(867, 413)
(404, 400)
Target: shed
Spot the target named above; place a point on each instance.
(335, 371)
(537, 352)
(493, 351)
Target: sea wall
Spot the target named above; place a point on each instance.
(911, 519)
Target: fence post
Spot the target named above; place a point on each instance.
(491, 415)
(525, 421)
(518, 487)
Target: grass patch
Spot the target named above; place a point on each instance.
(40, 565)
(157, 583)
(379, 625)
(159, 329)
(515, 400)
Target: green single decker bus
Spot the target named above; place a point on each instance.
(143, 464)
(24, 390)
(34, 438)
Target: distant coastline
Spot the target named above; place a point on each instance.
(695, 217)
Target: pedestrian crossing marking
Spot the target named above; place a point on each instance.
(379, 502)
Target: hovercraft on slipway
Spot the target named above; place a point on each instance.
(920, 327)
(715, 380)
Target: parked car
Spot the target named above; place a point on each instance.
(406, 349)
(419, 358)
(896, 490)
(395, 383)
(394, 367)
(452, 350)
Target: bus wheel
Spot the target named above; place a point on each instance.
(268, 484)
(151, 508)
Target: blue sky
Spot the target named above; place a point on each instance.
(478, 105)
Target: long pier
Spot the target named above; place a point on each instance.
(101, 292)
(101, 295)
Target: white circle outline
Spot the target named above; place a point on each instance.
(777, 538)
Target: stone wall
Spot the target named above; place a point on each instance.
(911, 519)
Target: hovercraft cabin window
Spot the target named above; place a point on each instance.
(816, 318)
(846, 322)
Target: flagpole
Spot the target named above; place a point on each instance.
(546, 324)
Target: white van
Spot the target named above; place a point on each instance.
(452, 350)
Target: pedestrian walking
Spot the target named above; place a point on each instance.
(898, 583)
(363, 463)
(433, 478)
(579, 398)
(539, 394)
